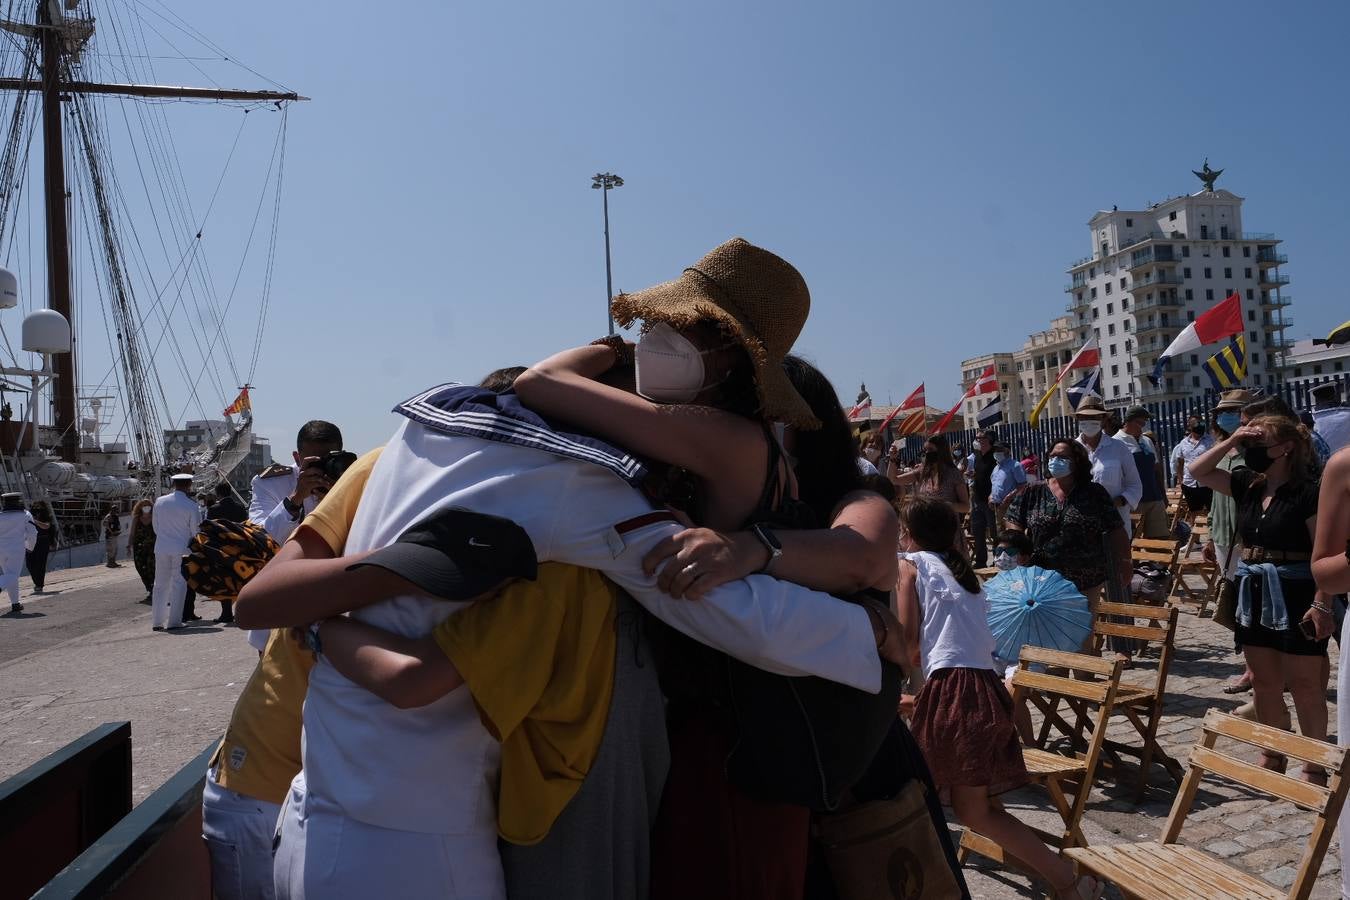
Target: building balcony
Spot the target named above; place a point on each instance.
(1279, 345)
(1263, 237)
(1267, 257)
(1273, 325)
(1165, 330)
(1073, 303)
(1150, 236)
(1276, 302)
(1158, 279)
(1076, 285)
(1154, 256)
(1080, 262)
(1272, 279)
(1161, 300)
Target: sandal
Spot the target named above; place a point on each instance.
(1315, 775)
(1276, 762)
(1083, 888)
(1241, 685)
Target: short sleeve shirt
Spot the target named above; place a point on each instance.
(1283, 524)
(1069, 537)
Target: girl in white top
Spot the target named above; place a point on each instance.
(963, 716)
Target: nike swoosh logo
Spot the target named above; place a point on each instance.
(474, 542)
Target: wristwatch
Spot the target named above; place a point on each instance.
(295, 510)
(771, 543)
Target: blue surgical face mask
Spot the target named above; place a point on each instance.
(1059, 466)
(1228, 421)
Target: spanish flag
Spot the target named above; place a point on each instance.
(241, 404)
(1228, 368)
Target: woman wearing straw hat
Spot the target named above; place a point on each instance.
(710, 388)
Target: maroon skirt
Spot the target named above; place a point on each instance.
(963, 722)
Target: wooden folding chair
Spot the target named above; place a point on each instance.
(1190, 562)
(1141, 699)
(1054, 770)
(1162, 552)
(1166, 870)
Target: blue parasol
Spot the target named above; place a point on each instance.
(1031, 605)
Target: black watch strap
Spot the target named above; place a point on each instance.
(296, 510)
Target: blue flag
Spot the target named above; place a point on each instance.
(1090, 386)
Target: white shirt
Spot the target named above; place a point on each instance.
(176, 519)
(1114, 469)
(265, 506)
(17, 533)
(1189, 450)
(1333, 424)
(429, 769)
(954, 633)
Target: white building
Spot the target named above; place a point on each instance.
(1154, 270)
(1308, 362)
(972, 369)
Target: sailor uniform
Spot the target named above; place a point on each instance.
(416, 784)
(177, 517)
(17, 534)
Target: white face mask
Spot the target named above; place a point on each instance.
(1089, 427)
(872, 454)
(1005, 562)
(669, 366)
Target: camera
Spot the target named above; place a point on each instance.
(333, 463)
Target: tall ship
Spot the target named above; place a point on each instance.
(121, 314)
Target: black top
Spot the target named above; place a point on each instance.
(1069, 538)
(984, 475)
(1283, 525)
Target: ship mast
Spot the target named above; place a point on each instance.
(58, 38)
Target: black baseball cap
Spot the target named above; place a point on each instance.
(459, 554)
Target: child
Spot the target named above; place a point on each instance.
(963, 716)
(1013, 550)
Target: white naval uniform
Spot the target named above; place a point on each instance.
(396, 802)
(177, 518)
(266, 509)
(17, 533)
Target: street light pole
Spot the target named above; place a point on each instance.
(604, 182)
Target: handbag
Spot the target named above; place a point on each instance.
(887, 849)
(1225, 605)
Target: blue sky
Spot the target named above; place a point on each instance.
(929, 168)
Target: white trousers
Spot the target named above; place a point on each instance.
(238, 831)
(170, 591)
(324, 855)
(11, 564)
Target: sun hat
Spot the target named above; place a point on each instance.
(458, 554)
(1235, 399)
(1091, 408)
(757, 296)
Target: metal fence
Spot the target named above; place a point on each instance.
(1168, 421)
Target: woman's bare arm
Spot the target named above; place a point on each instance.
(711, 443)
(402, 671)
(907, 611)
(305, 583)
(1204, 469)
(1329, 564)
(856, 552)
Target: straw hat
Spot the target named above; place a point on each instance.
(1235, 399)
(1090, 408)
(757, 296)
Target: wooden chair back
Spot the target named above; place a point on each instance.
(1324, 802)
(1095, 685)
(1160, 630)
(1162, 552)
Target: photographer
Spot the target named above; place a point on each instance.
(283, 494)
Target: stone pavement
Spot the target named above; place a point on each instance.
(84, 654)
(1262, 836)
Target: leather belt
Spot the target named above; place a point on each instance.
(1262, 555)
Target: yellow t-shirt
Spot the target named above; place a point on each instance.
(538, 660)
(260, 752)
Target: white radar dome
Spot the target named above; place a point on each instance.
(9, 289)
(46, 331)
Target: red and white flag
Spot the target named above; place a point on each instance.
(915, 400)
(862, 411)
(1087, 357)
(987, 383)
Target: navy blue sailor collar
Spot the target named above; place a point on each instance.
(477, 412)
